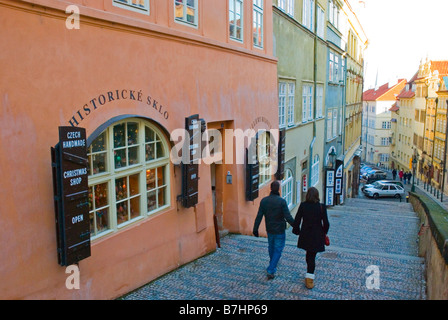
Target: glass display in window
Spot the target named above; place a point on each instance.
(119, 135)
(121, 189)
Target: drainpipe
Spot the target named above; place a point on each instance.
(314, 88)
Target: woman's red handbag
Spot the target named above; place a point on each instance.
(327, 240)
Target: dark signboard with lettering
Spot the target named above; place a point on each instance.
(190, 166)
(339, 176)
(281, 155)
(69, 161)
(252, 172)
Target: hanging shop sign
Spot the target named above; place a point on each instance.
(329, 187)
(71, 195)
(339, 173)
(190, 163)
(252, 171)
(281, 155)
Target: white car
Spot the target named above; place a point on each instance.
(385, 190)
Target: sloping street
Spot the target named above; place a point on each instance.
(372, 256)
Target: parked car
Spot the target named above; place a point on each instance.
(385, 190)
(376, 183)
(366, 172)
(375, 176)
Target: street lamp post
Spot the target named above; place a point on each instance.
(414, 165)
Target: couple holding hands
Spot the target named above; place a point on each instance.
(310, 224)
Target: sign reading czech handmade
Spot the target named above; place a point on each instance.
(70, 163)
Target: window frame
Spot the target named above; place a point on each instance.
(114, 174)
(124, 4)
(264, 157)
(184, 19)
(258, 12)
(287, 185)
(234, 37)
(282, 103)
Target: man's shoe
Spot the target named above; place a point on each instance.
(309, 280)
(270, 276)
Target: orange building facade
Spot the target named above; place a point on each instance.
(130, 73)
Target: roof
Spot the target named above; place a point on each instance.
(409, 93)
(441, 66)
(394, 107)
(384, 93)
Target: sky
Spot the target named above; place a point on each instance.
(401, 33)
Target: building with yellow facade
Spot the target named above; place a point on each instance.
(356, 43)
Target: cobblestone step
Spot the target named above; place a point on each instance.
(362, 235)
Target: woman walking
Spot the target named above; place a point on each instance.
(311, 225)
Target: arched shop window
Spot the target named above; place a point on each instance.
(128, 175)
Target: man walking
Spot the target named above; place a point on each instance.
(275, 211)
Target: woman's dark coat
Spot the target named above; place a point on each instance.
(311, 224)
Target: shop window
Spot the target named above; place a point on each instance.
(236, 19)
(264, 153)
(134, 5)
(128, 175)
(186, 11)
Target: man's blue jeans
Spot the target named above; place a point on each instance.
(276, 243)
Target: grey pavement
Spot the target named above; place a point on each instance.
(363, 233)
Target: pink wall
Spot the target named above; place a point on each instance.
(49, 73)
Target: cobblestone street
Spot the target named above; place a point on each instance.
(363, 233)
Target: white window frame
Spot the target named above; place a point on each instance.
(287, 6)
(330, 124)
(263, 152)
(320, 22)
(183, 19)
(335, 122)
(331, 67)
(291, 94)
(308, 14)
(288, 187)
(282, 104)
(127, 4)
(315, 171)
(319, 100)
(113, 173)
(333, 13)
(234, 24)
(257, 24)
(307, 102)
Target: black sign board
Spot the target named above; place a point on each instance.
(252, 172)
(329, 187)
(190, 166)
(69, 162)
(281, 155)
(339, 176)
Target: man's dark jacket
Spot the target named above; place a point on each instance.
(275, 211)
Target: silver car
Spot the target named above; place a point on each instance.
(385, 190)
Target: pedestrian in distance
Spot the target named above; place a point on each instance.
(405, 176)
(409, 176)
(394, 174)
(275, 211)
(311, 225)
(400, 175)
